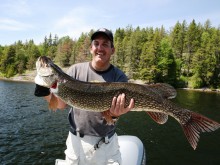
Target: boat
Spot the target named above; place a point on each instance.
(132, 151)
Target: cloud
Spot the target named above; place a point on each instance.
(15, 8)
(13, 25)
(78, 20)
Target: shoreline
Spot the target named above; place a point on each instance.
(30, 75)
(16, 80)
(202, 90)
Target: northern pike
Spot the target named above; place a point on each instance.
(97, 97)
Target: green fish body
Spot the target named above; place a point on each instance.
(97, 97)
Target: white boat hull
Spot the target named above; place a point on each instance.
(132, 150)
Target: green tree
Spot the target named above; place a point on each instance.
(81, 50)
(64, 51)
(127, 46)
(45, 46)
(119, 56)
(192, 44)
(7, 61)
(204, 60)
(148, 62)
(166, 63)
(20, 58)
(32, 53)
(215, 81)
(1, 55)
(177, 38)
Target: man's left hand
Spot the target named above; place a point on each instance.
(118, 106)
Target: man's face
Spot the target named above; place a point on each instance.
(101, 50)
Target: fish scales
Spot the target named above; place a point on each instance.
(97, 97)
(100, 96)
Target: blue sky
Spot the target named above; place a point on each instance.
(35, 19)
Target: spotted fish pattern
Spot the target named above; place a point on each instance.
(97, 96)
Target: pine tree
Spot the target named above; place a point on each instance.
(32, 53)
(192, 42)
(166, 63)
(64, 51)
(118, 59)
(8, 60)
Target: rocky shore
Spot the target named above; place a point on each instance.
(28, 76)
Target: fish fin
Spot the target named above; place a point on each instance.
(53, 102)
(196, 125)
(108, 117)
(160, 118)
(165, 90)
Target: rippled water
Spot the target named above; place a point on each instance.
(31, 134)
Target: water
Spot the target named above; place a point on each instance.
(31, 134)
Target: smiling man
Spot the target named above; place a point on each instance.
(91, 140)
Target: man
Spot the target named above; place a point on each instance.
(91, 140)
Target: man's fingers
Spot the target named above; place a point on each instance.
(131, 105)
(118, 105)
(122, 103)
(113, 102)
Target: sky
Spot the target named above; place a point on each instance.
(34, 19)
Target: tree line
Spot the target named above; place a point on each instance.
(186, 55)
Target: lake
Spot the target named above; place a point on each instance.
(32, 134)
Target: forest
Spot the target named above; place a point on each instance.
(186, 55)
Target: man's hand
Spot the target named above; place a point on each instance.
(118, 106)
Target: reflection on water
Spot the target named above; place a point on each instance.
(31, 134)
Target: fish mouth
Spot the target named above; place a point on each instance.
(46, 81)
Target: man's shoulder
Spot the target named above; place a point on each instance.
(73, 69)
(120, 76)
(78, 65)
(117, 69)
(81, 64)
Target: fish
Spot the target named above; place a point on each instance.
(154, 99)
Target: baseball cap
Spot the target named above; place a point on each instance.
(104, 31)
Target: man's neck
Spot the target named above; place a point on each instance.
(100, 67)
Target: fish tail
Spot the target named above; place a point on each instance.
(196, 125)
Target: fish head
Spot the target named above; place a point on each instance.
(45, 73)
(43, 66)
